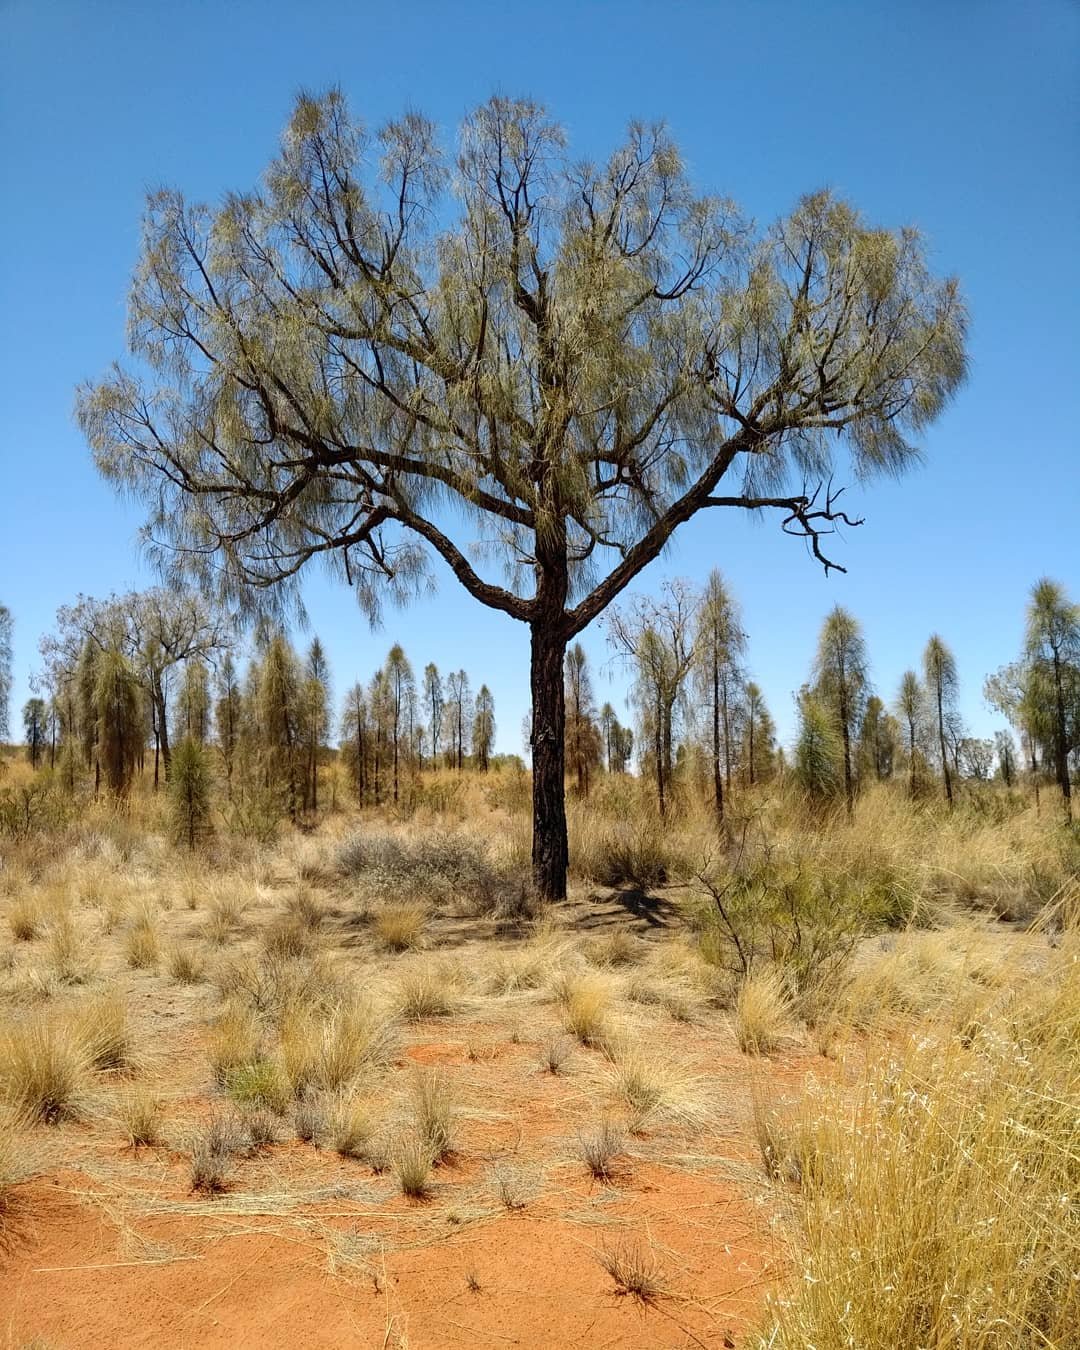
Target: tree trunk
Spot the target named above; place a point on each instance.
(944, 751)
(718, 781)
(1061, 748)
(549, 843)
(157, 693)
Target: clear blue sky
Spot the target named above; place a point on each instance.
(958, 116)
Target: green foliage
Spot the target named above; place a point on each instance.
(189, 792)
(818, 766)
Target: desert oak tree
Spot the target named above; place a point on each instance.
(385, 345)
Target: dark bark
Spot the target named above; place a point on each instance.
(718, 781)
(550, 851)
(1061, 743)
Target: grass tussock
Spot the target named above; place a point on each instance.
(185, 965)
(634, 1269)
(104, 1029)
(586, 1002)
(330, 1052)
(45, 1069)
(600, 1148)
(400, 927)
(428, 990)
(214, 1152)
(433, 1113)
(25, 920)
(412, 1167)
(140, 1114)
(763, 1014)
(939, 1208)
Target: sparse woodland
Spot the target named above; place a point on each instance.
(316, 1009)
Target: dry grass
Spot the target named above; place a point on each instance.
(185, 965)
(586, 1002)
(939, 1209)
(142, 947)
(140, 1115)
(412, 1167)
(25, 920)
(401, 927)
(635, 1270)
(45, 1069)
(600, 1147)
(329, 1052)
(105, 1032)
(432, 1113)
(260, 1083)
(234, 1040)
(428, 990)
(763, 1015)
(351, 1128)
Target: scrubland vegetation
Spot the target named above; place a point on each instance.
(863, 1028)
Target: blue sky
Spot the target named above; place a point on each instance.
(958, 116)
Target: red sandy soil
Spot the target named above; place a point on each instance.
(308, 1249)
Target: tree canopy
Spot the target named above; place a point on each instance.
(509, 358)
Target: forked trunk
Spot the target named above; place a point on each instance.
(549, 843)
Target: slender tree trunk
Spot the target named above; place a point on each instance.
(911, 756)
(751, 746)
(849, 786)
(1061, 750)
(718, 781)
(944, 750)
(550, 851)
(659, 739)
(157, 693)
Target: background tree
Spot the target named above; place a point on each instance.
(433, 706)
(841, 683)
(656, 636)
(759, 736)
(583, 744)
(458, 697)
(228, 712)
(976, 758)
(35, 729)
(910, 705)
(278, 711)
(941, 684)
(193, 701)
(1011, 691)
(355, 739)
(819, 753)
(1006, 757)
(878, 741)
(119, 716)
(573, 358)
(1052, 650)
(315, 714)
(719, 643)
(401, 691)
(6, 629)
(189, 792)
(484, 728)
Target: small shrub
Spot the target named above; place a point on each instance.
(304, 907)
(556, 1054)
(762, 1013)
(617, 948)
(634, 1269)
(139, 1112)
(141, 947)
(599, 1147)
(214, 1152)
(185, 966)
(310, 1121)
(412, 1167)
(433, 1113)
(401, 927)
(263, 1126)
(24, 918)
(427, 991)
(45, 1069)
(260, 1083)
